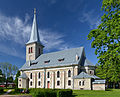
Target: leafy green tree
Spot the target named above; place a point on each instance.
(106, 41)
(8, 70)
(10, 79)
(2, 77)
(16, 78)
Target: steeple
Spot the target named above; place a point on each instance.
(34, 32)
(34, 48)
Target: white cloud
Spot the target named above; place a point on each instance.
(89, 17)
(13, 28)
(17, 31)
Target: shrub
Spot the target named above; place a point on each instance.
(17, 90)
(50, 93)
(38, 92)
(43, 92)
(1, 90)
(64, 93)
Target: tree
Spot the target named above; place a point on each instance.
(16, 78)
(10, 79)
(106, 41)
(8, 70)
(2, 77)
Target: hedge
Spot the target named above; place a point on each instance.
(64, 93)
(38, 92)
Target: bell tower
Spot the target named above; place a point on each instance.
(34, 47)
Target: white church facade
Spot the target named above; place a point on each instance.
(67, 69)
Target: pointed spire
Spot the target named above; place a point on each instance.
(34, 32)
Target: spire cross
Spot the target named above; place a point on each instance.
(34, 10)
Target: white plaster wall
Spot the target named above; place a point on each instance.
(53, 75)
(98, 86)
(86, 86)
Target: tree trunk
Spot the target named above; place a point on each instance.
(107, 85)
(119, 84)
(6, 83)
(114, 85)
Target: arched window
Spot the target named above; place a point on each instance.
(69, 73)
(79, 83)
(31, 76)
(69, 82)
(31, 83)
(58, 74)
(83, 83)
(58, 83)
(48, 75)
(29, 50)
(38, 83)
(39, 75)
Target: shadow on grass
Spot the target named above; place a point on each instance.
(108, 90)
(74, 95)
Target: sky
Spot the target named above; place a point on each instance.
(62, 24)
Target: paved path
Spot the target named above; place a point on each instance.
(8, 92)
(6, 95)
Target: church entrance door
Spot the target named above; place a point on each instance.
(48, 84)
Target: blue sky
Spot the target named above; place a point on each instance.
(62, 24)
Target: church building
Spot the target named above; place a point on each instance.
(66, 69)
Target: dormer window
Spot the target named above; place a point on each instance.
(77, 57)
(33, 63)
(47, 61)
(61, 59)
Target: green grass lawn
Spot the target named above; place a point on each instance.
(85, 93)
(93, 93)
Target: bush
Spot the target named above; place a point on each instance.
(43, 92)
(17, 90)
(50, 93)
(38, 92)
(1, 90)
(64, 93)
